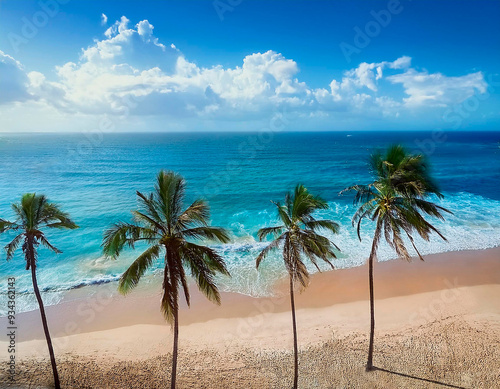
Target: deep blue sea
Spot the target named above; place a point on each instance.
(95, 177)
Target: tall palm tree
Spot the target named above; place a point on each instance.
(32, 214)
(169, 231)
(297, 236)
(396, 202)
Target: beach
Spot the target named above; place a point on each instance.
(225, 194)
(437, 325)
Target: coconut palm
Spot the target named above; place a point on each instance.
(169, 231)
(396, 202)
(297, 237)
(33, 213)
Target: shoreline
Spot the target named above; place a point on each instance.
(105, 309)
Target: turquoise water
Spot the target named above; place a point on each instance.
(95, 180)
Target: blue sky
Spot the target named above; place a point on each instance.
(240, 65)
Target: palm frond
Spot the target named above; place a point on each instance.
(207, 232)
(149, 206)
(298, 236)
(27, 210)
(377, 235)
(185, 288)
(397, 241)
(363, 193)
(204, 263)
(169, 193)
(149, 221)
(6, 225)
(273, 231)
(50, 215)
(211, 258)
(414, 247)
(430, 208)
(273, 245)
(47, 244)
(316, 246)
(197, 213)
(283, 213)
(402, 182)
(325, 246)
(329, 225)
(11, 247)
(305, 203)
(121, 234)
(130, 278)
(169, 300)
(291, 256)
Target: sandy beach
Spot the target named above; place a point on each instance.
(438, 325)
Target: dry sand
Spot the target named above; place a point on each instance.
(437, 325)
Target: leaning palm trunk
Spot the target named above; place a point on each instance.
(369, 363)
(34, 213)
(295, 347)
(45, 325)
(175, 350)
(396, 200)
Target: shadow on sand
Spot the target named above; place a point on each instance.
(418, 378)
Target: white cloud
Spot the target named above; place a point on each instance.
(437, 89)
(145, 29)
(104, 20)
(117, 28)
(388, 106)
(130, 64)
(366, 75)
(403, 62)
(13, 80)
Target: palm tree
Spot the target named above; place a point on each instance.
(396, 202)
(169, 231)
(33, 213)
(297, 236)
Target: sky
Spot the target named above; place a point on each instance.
(249, 65)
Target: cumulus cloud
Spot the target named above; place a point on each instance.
(437, 89)
(13, 80)
(104, 20)
(130, 64)
(366, 75)
(145, 29)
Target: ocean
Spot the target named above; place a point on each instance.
(95, 177)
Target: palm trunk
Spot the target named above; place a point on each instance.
(45, 325)
(295, 348)
(174, 353)
(369, 363)
(169, 282)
